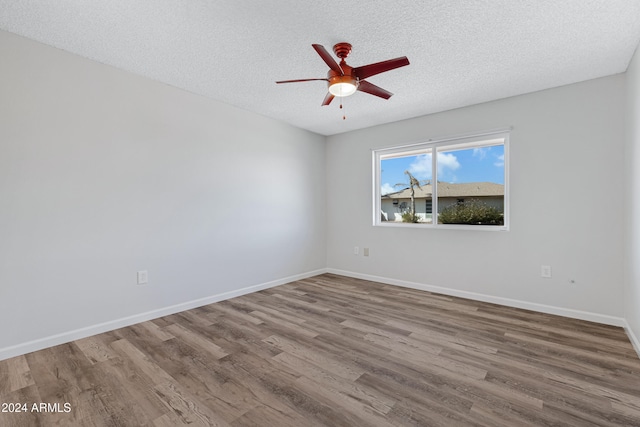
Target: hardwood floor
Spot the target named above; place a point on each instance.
(333, 351)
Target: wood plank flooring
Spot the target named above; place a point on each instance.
(333, 351)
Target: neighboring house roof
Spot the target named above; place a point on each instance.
(469, 189)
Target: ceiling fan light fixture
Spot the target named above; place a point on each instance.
(343, 89)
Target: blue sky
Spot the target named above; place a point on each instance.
(484, 164)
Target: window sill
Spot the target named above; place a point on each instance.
(428, 226)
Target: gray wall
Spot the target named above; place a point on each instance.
(632, 270)
(566, 152)
(104, 173)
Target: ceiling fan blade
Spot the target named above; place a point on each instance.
(367, 87)
(379, 67)
(328, 99)
(300, 80)
(328, 59)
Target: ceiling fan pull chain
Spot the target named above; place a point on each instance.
(344, 117)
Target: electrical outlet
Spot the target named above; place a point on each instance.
(143, 277)
(366, 252)
(545, 271)
(356, 250)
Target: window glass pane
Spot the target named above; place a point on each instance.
(471, 185)
(467, 175)
(405, 189)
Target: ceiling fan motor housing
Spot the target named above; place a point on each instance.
(346, 83)
(336, 78)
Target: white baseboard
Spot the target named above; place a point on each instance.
(39, 344)
(633, 338)
(560, 311)
(65, 337)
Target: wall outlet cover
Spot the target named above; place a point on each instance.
(545, 271)
(143, 277)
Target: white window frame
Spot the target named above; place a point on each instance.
(488, 138)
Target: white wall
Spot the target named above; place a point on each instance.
(632, 290)
(103, 173)
(566, 161)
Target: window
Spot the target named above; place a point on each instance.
(453, 182)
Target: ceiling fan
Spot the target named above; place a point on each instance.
(344, 80)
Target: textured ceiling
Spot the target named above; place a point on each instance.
(461, 52)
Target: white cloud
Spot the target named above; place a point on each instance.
(421, 167)
(481, 152)
(500, 162)
(387, 188)
(447, 161)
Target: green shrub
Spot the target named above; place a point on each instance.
(471, 212)
(410, 217)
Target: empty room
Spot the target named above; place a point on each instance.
(328, 213)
